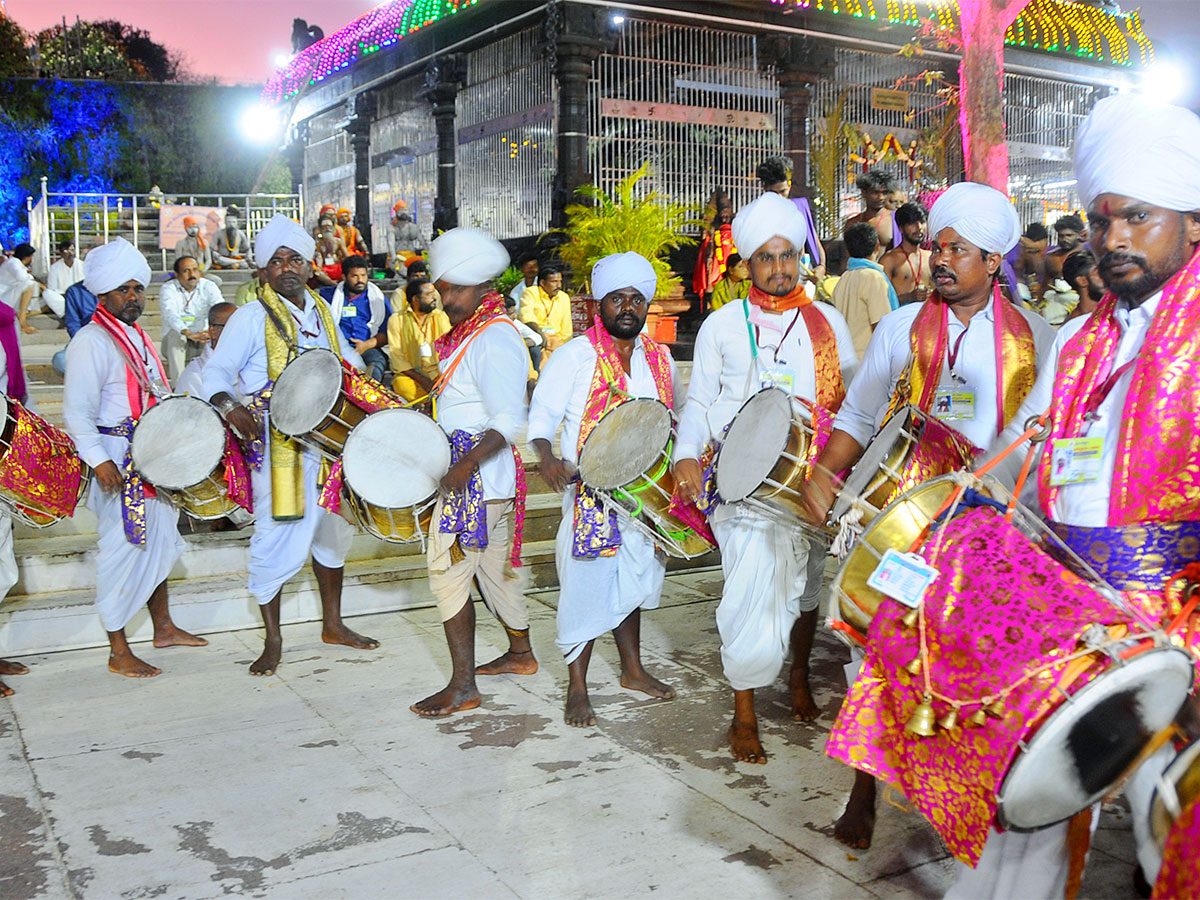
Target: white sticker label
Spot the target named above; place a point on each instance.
(954, 404)
(902, 576)
(1075, 460)
(425, 351)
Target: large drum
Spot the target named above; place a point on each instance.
(42, 477)
(911, 447)
(766, 457)
(392, 463)
(178, 446)
(627, 458)
(313, 402)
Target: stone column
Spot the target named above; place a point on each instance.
(443, 80)
(359, 129)
(798, 62)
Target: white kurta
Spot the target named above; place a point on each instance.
(1035, 865)
(975, 363)
(595, 595)
(770, 574)
(187, 310)
(15, 279)
(278, 550)
(191, 380)
(95, 394)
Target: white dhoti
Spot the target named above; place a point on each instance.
(127, 574)
(278, 550)
(770, 578)
(8, 559)
(597, 595)
(54, 301)
(502, 586)
(1032, 866)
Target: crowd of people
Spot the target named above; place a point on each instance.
(931, 318)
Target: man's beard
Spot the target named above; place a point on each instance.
(1141, 287)
(624, 326)
(129, 313)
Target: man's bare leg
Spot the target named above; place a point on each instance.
(804, 708)
(743, 732)
(634, 676)
(519, 660)
(856, 826)
(166, 632)
(23, 311)
(578, 711)
(461, 693)
(333, 631)
(268, 662)
(122, 661)
(8, 667)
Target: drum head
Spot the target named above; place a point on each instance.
(177, 443)
(624, 444)
(877, 451)
(395, 458)
(1087, 743)
(1184, 774)
(756, 437)
(305, 391)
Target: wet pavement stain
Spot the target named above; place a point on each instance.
(355, 829)
(141, 754)
(557, 766)
(142, 893)
(79, 879)
(497, 730)
(357, 662)
(23, 862)
(5, 728)
(107, 846)
(753, 856)
(328, 743)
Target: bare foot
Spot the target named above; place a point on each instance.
(340, 634)
(511, 663)
(131, 667)
(856, 826)
(28, 329)
(647, 684)
(269, 661)
(5, 690)
(744, 743)
(446, 701)
(8, 667)
(171, 636)
(804, 708)
(578, 711)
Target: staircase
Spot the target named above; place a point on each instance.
(52, 605)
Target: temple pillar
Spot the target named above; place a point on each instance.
(359, 129)
(443, 80)
(798, 62)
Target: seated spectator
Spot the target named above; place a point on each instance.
(533, 340)
(184, 301)
(864, 295)
(328, 256)
(361, 312)
(410, 340)
(529, 272)
(351, 236)
(17, 284)
(80, 305)
(735, 285)
(64, 272)
(546, 308)
(192, 379)
(248, 291)
(194, 244)
(231, 248)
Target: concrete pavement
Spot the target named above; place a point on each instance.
(318, 782)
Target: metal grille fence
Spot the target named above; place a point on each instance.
(506, 154)
(692, 102)
(404, 159)
(328, 164)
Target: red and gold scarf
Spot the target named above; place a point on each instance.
(831, 389)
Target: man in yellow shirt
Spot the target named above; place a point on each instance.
(410, 340)
(546, 308)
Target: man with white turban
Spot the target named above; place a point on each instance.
(1125, 376)
(777, 337)
(114, 375)
(257, 343)
(479, 400)
(608, 570)
(940, 357)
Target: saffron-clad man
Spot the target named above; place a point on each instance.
(607, 575)
(113, 375)
(289, 527)
(777, 336)
(479, 400)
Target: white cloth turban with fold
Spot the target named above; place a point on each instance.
(1134, 147)
(767, 217)
(623, 270)
(282, 232)
(111, 265)
(466, 256)
(981, 214)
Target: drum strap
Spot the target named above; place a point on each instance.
(134, 491)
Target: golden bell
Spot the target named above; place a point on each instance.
(977, 718)
(950, 720)
(910, 619)
(995, 709)
(921, 721)
(914, 667)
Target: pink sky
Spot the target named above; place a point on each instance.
(231, 40)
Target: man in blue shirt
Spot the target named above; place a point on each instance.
(361, 311)
(80, 307)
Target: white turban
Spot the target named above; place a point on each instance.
(466, 256)
(111, 265)
(623, 270)
(282, 232)
(1137, 148)
(767, 217)
(981, 214)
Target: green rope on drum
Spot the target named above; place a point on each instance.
(635, 501)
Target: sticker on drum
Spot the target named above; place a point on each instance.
(395, 458)
(1086, 744)
(757, 437)
(625, 443)
(177, 443)
(305, 391)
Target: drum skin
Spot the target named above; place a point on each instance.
(177, 443)
(310, 400)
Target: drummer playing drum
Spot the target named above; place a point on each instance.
(607, 575)
(777, 337)
(940, 354)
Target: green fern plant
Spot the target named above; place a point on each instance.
(648, 224)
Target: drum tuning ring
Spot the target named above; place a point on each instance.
(1043, 431)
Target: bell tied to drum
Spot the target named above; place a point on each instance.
(910, 618)
(921, 722)
(978, 718)
(949, 721)
(914, 667)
